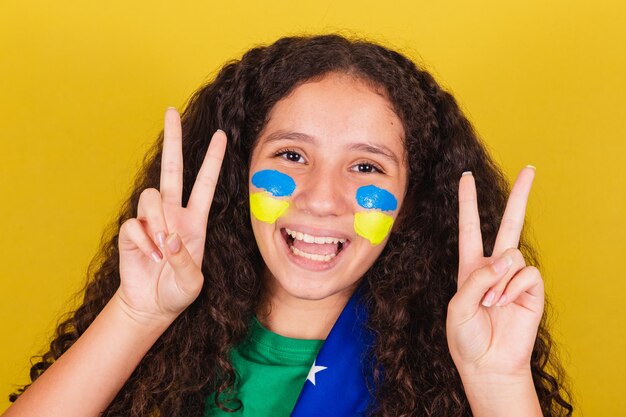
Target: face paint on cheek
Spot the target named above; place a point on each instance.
(263, 205)
(374, 225)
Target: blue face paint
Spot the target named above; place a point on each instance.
(372, 197)
(275, 182)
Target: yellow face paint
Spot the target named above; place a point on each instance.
(373, 226)
(266, 208)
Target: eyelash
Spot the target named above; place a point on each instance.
(376, 167)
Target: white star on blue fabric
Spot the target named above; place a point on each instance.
(314, 369)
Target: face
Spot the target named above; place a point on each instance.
(327, 179)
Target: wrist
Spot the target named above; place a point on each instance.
(140, 321)
(476, 375)
(501, 394)
(495, 382)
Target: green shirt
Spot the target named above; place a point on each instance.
(271, 370)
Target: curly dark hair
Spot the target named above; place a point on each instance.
(415, 276)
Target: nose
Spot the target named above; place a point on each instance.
(322, 193)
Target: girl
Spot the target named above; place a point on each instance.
(355, 174)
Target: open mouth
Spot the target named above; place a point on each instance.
(321, 249)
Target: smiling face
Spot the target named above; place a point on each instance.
(327, 178)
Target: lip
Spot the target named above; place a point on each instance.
(309, 264)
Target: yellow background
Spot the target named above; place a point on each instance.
(83, 88)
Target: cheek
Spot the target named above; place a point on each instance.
(375, 221)
(268, 204)
(373, 226)
(265, 208)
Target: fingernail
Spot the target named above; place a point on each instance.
(501, 301)
(466, 173)
(502, 265)
(489, 298)
(173, 243)
(156, 257)
(172, 108)
(531, 166)
(160, 237)
(220, 130)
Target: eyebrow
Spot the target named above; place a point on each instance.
(377, 149)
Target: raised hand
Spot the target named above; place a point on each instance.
(161, 250)
(493, 318)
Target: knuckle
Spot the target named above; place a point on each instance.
(207, 181)
(511, 223)
(451, 308)
(517, 256)
(452, 305)
(469, 226)
(184, 261)
(149, 194)
(191, 288)
(129, 225)
(150, 206)
(534, 273)
(476, 277)
(215, 159)
(171, 167)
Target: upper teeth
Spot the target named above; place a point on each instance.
(313, 239)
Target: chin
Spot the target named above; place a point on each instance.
(310, 288)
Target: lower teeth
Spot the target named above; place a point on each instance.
(312, 256)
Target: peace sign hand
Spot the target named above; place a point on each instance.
(161, 250)
(493, 318)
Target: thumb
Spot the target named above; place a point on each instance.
(468, 298)
(188, 275)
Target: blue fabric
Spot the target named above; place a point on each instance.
(340, 370)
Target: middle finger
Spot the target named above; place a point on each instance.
(513, 218)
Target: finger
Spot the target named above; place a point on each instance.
(150, 212)
(513, 218)
(172, 159)
(494, 293)
(525, 289)
(470, 237)
(133, 236)
(466, 301)
(206, 181)
(189, 278)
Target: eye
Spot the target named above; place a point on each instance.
(290, 155)
(368, 168)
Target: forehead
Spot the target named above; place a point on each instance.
(336, 109)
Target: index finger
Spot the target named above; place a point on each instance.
(470, 237)
(171, 187)
(513, 218)
(204, 187)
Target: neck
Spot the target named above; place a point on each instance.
(299, 318)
